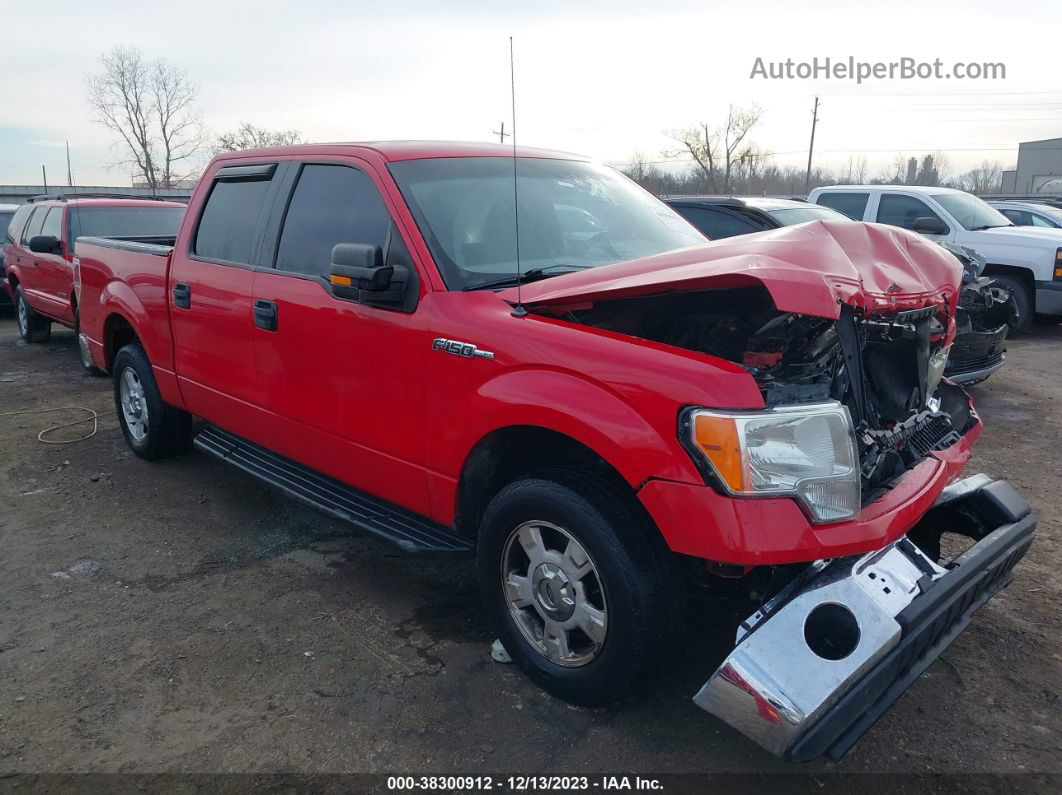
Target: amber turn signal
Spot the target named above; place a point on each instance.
(717, 437)
(341, 281)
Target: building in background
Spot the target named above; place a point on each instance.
(1039, 168)
(20, 194)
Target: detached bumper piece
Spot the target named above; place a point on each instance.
(816, 667)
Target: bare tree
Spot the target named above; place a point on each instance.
(986, 177)
(151, 105)
(247, 136)
(855, 171)
(717, 151)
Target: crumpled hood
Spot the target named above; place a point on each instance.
(808, 269)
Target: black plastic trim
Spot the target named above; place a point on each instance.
(371, 515)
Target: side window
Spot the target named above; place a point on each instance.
(895, 209)
(35, 223)
(854, 205)
(1039, 220)
(53, 223)
(18, 221)
(230, 217)
(715, 224)
(331, 204)
(1016, 217)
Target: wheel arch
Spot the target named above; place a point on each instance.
(507, 453)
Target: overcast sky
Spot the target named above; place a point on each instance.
(605, 79)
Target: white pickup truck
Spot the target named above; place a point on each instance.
(1026, 260)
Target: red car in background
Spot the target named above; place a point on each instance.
(38, 251)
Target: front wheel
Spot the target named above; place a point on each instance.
(578, 584)
(152, 428)
(31, 326)
(1020, 303)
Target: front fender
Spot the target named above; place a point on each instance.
(559, 400)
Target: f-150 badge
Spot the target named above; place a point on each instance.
(466, 350)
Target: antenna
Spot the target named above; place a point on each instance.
(518, 310)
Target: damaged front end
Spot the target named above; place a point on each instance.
(981, 321)
(819, 663)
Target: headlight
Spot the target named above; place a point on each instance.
(806, 452)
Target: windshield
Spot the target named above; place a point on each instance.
(971, 212)
(573, 215)
(798, 215)
(125, 222)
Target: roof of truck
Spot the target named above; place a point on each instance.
(913, 188)
(393, 151)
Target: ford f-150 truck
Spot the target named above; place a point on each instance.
(461, 349)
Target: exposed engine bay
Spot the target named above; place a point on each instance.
(886, 369)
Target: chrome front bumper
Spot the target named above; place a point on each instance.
(819, 664)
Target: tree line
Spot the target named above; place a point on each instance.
(722, 159)
(151, 105)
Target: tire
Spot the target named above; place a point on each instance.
(152, 428)
(619, 568)
(31, 326)
(1021, 302)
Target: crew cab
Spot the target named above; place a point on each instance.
(1026, 261)
(38, 251)
(459, 348)
(979, 348)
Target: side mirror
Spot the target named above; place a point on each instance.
(358, 273)
(45, 244)
(930, 225)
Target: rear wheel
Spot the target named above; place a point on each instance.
(1020, 303)
(578, 584)
(31, 326)
(152, 428)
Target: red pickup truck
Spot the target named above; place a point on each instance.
(459, 349)
(38, 251)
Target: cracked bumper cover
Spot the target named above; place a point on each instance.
(817, 666)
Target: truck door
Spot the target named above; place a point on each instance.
(343, 380)
(209, 294)
(902, 210)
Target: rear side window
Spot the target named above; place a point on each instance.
(715, 224)
(18, 221)
(53, 223)
(854, 205)
(33, 228)
(331, 204)
(895, 209)
(227, 226)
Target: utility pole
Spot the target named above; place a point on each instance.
(811, 148)
(69, 173)
(44, 174)
(502, 135)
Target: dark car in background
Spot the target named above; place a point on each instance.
(979, 348)
(7, 212)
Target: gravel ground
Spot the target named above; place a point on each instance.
(180, 617)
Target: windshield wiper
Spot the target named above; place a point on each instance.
(528, 276)
(989, 226)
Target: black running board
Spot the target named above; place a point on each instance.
(370, 515)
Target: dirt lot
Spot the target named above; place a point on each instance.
(179, 617)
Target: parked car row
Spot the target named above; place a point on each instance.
(1026, 261)
(523, 356)
(40, 273)
(984, 305)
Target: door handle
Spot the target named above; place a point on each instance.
(265, 315)
(182, 296)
